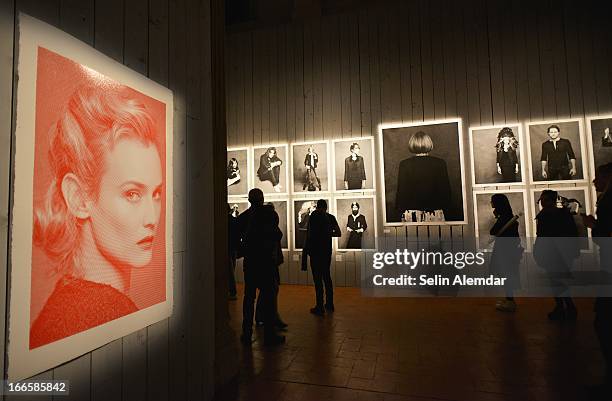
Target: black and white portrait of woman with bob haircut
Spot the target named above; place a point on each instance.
(354, 164)
(423, 173)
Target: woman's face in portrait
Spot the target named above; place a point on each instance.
(271, 153)
(310, 149)
(125, 215)
(506, 140)
(356, 150)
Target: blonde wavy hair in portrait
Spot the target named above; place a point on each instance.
(94, 120)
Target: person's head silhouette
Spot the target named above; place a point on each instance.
(322, 205)
(256, 197)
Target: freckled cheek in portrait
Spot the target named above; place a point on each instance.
(126, 214)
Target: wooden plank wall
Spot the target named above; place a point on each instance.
(171, 42)
(487, 62)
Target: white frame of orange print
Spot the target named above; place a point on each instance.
(24, 362)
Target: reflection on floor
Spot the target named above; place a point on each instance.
(403, 349)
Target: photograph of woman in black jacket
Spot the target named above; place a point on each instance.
(354, 169)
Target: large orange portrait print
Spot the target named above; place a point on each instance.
(98, 204)
(97, 263)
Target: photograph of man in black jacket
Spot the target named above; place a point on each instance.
(557, 158)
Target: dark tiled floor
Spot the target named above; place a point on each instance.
(417, 349)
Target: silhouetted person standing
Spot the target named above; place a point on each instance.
(555, 249)
(602, 235)
(233, 241)
(322, 226)
(260, 236)
(279, 259)
(507, 250)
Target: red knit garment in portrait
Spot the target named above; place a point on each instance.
(77, 305)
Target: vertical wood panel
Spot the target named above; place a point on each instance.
(158, 52)
(281, 88)
(450, 62)
(439, 76)
(77, 19)
(354, 64)
(405, 60)
(231, 89)
(521, 57)
(109, 25)
(318, 127)
(299, 72)
(157, 362)
(570, 24)
(274, 114)
(364, 74)
(509, 61)
(536, 110)
(246, 55)
(136, 49)
(471, 57)
(547, 59)
(496, 66)
(558, 54)
(7, 13)
(426, 61)
(309, 67)
(106, 369)
(601, 48)
(484, 68)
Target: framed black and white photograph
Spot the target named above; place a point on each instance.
(302, 209)
(238, 168)
(557, 151)
(575, 199)
(422, 173)
(497, 156)
(270, 171)
(356, 217)
(490, 208)
(310, 167)
(282, 208)
(599, 139)
(237, 206)
(353, 164)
